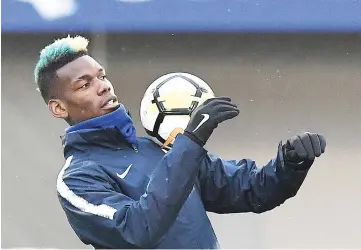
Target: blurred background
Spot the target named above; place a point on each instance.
(291, 66)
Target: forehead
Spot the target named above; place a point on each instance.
(84, 65)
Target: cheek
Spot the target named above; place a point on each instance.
(85, 106)
(88, 107)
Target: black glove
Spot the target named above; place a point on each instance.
(304, 147)
(206, 117)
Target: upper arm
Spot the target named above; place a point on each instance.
(93, 207)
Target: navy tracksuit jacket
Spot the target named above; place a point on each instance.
(117, 195)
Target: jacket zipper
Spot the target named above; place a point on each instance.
(135, 148)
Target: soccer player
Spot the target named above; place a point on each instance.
(122, 191)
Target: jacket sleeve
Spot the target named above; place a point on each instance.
(105, 218)
(234, 187)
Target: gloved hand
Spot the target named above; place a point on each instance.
(206, 117)
(304, 147)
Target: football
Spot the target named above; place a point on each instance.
(168, 103)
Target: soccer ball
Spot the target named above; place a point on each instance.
(168, 103)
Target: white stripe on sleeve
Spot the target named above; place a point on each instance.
(102, 210)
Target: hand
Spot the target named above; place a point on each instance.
(206, 117)
(304, 147)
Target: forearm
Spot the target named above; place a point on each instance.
(276, 182)
(233, 187)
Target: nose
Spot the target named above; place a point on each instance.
(104, 87)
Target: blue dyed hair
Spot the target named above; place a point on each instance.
(55, 56)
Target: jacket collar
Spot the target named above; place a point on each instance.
(118, 118)
(104, 137)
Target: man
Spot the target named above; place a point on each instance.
(121, 191)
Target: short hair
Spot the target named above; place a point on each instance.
(54, 56)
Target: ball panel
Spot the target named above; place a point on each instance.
(200, 82)
(172, 93)
(148, 114)
(171, 122)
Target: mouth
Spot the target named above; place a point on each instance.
(112, 102)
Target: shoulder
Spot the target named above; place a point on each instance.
(77, 169)
(79, 175)
(74, 164)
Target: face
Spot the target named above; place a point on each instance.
(84, 91)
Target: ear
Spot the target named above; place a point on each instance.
(58, 108)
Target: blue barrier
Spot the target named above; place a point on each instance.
(181, 15)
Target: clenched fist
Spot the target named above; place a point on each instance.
(304, 147)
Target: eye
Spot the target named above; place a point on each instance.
(86, 85)
(103, 77)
